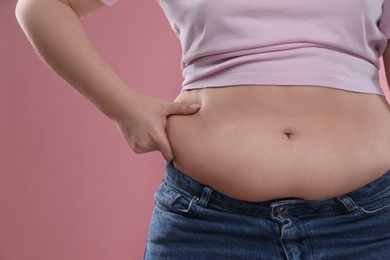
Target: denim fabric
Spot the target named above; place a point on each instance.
(193, 221)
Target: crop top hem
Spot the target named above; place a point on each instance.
(335, 44)
(344, 83)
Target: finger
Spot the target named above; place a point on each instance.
(165, 147)
(179, 108)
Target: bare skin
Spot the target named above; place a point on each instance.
(250, 142)
(264, 142)
(54, 30)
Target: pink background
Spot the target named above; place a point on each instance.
(70, 186)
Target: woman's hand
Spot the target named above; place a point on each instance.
(56, 33)
(143, 126)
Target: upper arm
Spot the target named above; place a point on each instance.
(386, 60)
(81, 7)
(84, 7)
(384, 26)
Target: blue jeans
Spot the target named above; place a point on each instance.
(193, 221)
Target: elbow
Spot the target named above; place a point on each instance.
(26, 13)
(21, 9)
(30, 9)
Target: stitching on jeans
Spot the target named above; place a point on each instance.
(178, 190)
(378, 197)
(311, 242)
(381, 210)
(334, 213)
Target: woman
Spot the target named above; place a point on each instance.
(288, 156)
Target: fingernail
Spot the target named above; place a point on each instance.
(196, 105)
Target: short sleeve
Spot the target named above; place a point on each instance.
(109, 2)
(384, 23)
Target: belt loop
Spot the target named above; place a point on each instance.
(347, 202)
(204, 199)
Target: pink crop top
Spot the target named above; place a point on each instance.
(328, 43)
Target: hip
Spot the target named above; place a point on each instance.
(206, 224)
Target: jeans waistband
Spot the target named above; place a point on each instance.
(346, 202)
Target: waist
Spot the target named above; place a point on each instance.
(190, 188)
(308, 141)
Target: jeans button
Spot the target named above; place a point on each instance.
(283, 209)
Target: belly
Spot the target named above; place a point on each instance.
(257, 143)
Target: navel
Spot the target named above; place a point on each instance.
(288, 134)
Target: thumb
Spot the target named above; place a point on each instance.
(182, 108)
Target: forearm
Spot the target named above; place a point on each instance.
(386, 62)
(57, 35)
